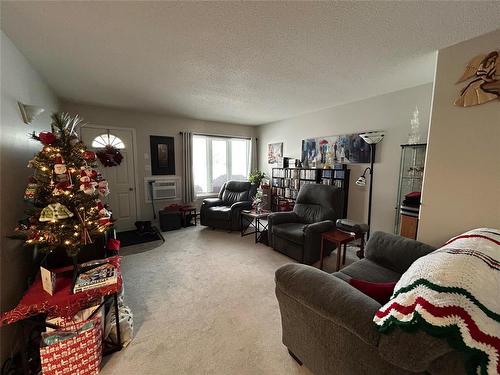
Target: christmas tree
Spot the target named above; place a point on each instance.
(64, 191)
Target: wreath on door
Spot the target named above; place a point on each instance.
(109, 155)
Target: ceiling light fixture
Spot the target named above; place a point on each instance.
(29, 112)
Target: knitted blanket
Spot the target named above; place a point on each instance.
(454, 292)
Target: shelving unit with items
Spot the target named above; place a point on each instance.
(411, 174)
(338, 177)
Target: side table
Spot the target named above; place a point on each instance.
(249, 217)
(188, 212)
(340, 238)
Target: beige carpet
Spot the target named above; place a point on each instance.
(204, 303)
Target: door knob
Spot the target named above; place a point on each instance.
(130, 189)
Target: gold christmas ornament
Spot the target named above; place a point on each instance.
(54, 212)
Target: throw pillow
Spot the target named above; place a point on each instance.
(380, 292)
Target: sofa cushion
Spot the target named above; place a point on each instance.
(395, 252)
(317, 202)
(367, 270)
(230, 197)
(290, 231)
(380, 292)
(219, 213)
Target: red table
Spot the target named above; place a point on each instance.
(63, 303)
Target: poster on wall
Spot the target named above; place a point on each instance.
(274, 152)
(335, 149)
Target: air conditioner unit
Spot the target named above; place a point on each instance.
(161, 188)
(164, 190)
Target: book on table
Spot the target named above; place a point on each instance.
(96, 275)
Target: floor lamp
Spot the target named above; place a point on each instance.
(372, 138)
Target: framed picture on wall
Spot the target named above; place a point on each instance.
(274, 152)
(335, 149)
(162, 155)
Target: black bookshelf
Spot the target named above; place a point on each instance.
(286, 183)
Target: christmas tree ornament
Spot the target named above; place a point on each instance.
(89, 155)
(103, 188)
(60, 168)
(47, 138)
(58, 159)
(54, 212)
(62, 188)
(30, 192)
(74, 140)
(88, 171)
(88, 187)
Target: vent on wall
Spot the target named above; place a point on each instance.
(161, 188)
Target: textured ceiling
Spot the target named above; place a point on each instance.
(242, 62)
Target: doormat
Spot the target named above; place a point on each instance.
(135, 237)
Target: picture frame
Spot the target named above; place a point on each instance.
(335, 149)
(274, 152)
(162, 155)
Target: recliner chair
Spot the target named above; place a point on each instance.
(224, 212)
(297, 234)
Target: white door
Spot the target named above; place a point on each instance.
(121, 178)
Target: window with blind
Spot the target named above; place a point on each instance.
(217, 160)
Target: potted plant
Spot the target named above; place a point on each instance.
(256, 177)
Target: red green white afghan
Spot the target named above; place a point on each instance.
(454, 292)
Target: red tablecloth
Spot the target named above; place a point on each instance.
(63, 303)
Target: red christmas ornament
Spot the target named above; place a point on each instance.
(113, 244)
(47, 138)
(89, 155)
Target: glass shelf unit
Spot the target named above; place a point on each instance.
(411, 173)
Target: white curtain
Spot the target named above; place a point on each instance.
(254, 161)
(187, 167)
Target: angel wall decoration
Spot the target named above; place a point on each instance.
(485, 84)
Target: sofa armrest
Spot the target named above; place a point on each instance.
(330, 297)
(277, 218)
(320, 227)
(395, 252)
(212, 202)
(415, 351)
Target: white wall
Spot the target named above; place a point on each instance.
(462, 173)
(390, 112)
(147, 124)
(19, 83)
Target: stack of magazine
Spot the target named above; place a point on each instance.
(96, 274)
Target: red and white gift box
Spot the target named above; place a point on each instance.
(78, 355)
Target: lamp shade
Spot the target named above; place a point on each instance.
(361, 181)
(372, 137)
